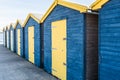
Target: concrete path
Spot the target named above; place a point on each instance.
(13, 67)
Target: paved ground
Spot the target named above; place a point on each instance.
(13, 67)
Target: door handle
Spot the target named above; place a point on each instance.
(64, 64)
(64, 38)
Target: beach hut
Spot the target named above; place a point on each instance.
(19, 37)
(70, 41)
(8, 35)
(32, 38)
(12, 34)
(4, 36)
(109, 38)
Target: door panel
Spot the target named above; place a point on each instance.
(7, 39)
(59, 49)
(4, 38)
(18, 42)
(12, 41)
(31, 43)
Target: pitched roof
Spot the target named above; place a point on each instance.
(98, 4)
(18, 22)
(36, 17)
(71, 5)
(7, 27)
(12, 25)
(4, 28)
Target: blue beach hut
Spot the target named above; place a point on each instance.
(109, 38)
(32, 38)
(19, 37)
(12, 38)
(70, 41)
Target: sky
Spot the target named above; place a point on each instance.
(11, 10)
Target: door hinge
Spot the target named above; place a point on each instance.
(54, 70)
(64, 38)
(64, 64)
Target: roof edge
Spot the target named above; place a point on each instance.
(98, 4)
(71, 5)
(32, 16)
(75, 6)
(17, 22)
(48, 11)
(8, 27)
(11, 25)
(4, 28)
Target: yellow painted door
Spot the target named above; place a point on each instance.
(59, 68)
(31, 44)
(18, 41)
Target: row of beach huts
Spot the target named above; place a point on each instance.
(71, 41)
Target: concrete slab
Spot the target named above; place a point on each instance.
(13, 67)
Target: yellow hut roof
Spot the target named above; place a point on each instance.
(12, 25)
(7, 27)
(18, 22)
(36, 17)
(71, 5)
(98, 4)
(4, 28)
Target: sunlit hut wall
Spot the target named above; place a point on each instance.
(109, 38)
(8, 35)
(19, 38)
(1, 36)
(32, 39)
(70, 41)
(4, 36)
(12, 34)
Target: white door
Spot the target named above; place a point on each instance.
(7, 39)
(12, 41)
(4, 38)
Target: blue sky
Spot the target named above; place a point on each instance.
(11, 10)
